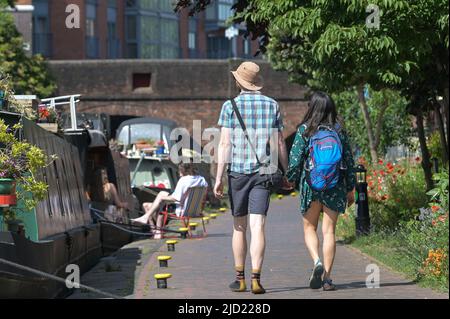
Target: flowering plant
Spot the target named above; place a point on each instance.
(47, 114)
(21, 161)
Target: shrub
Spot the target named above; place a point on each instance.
(426, 242)
(396, 194)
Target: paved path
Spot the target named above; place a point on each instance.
(203, 268)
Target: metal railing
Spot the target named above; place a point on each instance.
(70, 100)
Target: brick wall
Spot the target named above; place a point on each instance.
(182, 90)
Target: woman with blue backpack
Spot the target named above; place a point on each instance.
(321, 164)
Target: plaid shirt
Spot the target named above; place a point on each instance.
(262, 118)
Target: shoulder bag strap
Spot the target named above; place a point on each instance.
(241, 122)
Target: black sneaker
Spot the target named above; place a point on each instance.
(315, 282)
(328, 285)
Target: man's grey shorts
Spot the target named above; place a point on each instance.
(248, 194)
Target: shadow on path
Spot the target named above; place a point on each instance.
(362, 284)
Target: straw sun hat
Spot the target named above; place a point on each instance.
(247, 75)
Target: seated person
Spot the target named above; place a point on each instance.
(101, 190)
(189, 178)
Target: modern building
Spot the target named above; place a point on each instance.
(134, 29)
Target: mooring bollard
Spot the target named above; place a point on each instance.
(184, 232)
(362, 221)
(293, 194)
(213, 216)
(222, 210)
(193, 226)
(171, 245)
(280, 196)
(206, 220)
(164, 261)
(161, 280)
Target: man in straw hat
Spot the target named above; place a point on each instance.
(248, 190)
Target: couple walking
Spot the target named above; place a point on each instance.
(320, 164)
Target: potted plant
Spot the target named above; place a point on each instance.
(19, 163)
(160, 148)
(48, 118)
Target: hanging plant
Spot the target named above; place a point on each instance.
(19, 163)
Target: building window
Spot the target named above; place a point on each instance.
(247, 48)
(224, 9)
(91, 15)
(92, 49)
(192, 41)
(131, 36)
(113, 39)
(131, 3)
(41, 29)
(158, 32)
(218, 48)
(192, 34)
(142, 81)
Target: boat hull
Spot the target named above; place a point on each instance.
(81, 247)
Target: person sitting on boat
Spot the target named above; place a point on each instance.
(189, 178)
(106, 194)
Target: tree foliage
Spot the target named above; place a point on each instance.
(29, 75)
(394, 130)
(328, 45)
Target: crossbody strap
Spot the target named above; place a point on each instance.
(241, 122)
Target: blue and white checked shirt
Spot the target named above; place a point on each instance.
(261, 115)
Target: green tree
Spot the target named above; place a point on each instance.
(29, 75)
(396, 128)
(327, 44)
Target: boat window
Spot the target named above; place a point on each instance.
(151, 174)
(148, 132)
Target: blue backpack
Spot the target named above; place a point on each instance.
(324, 161)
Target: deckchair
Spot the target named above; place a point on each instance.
(193, 208)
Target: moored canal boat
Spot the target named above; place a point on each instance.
(63, 229)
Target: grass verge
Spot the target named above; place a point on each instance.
(386, 248)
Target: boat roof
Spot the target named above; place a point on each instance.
(150, 120)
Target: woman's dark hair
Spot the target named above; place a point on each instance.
(187, 169)
(321, 111)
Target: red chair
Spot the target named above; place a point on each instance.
(194, 208)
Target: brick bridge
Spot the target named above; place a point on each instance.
(181, 90)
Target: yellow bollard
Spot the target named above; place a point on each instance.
(293, 194)
(171, 245)
(206, 220)
(222, 210)
(213, 216)
(164, 261)
(184, 232)
(280, 196)
(161, 280)
(193, 226)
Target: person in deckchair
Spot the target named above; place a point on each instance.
(189, 178)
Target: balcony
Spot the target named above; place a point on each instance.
(42, 44)
(92, 47)
(114, 49)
